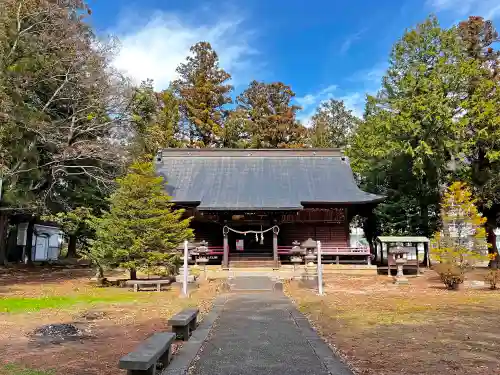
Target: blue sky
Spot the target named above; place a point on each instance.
(321, 48)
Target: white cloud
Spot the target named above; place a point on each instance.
(312, 99)
(363, 82)
(370, 78)
(490, 9)
(156, 47)
(350, 40)
(355, 101)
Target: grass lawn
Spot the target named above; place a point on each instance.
(33, 304)
(384, 329)
(17, 370)
(32, 298)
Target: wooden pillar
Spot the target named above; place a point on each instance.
(275, 248)
(337, 260)
(225, 257)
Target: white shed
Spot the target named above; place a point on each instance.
(46, 241)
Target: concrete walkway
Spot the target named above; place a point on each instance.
(262, 333)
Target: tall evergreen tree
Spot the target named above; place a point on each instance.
(155, 120)
(480, 164)
(332, 125)
(204, 92)
(271, 118)
(141, 230)
(235, 130)
(410, 135)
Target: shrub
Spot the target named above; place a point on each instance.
(493, 277)
(450, 274)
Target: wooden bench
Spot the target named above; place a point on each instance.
(184, 323)
(145, 358)
(138, 283)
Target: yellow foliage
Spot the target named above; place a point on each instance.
(462, 240)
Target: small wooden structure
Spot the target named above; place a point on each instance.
(408, 243)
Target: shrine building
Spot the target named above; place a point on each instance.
(263, 203)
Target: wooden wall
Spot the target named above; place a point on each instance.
(334, 235)
(210, 232)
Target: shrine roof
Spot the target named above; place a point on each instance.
(259, 179)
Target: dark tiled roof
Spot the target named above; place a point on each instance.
(225, 179)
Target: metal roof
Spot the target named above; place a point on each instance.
(386, 239)
(246, 180)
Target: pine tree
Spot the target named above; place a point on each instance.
(141, 230)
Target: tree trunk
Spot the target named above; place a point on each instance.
(4, 221)
(71, 247)
(99, 272)
(427, 258)
(133, 274)
(492, 242)
(29, 241)
(426, 231)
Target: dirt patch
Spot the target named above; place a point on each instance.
(112, 328)
(417, 329)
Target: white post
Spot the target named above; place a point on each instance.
(185, 278)
(320, 270)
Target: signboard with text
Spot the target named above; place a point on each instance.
(240, 245)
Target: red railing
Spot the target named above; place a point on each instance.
(326, 250)
(215, 250)
(331, 250)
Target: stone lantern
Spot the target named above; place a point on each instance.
(309, 278)
(296, 254)
(201, 256)
(309, 245)
(191, 250)
(399, 255)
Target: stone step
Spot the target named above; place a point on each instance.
(260, 257)
(249, 264)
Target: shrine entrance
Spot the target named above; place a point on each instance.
(250, 242)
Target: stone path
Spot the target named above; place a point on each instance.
(262, 333)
